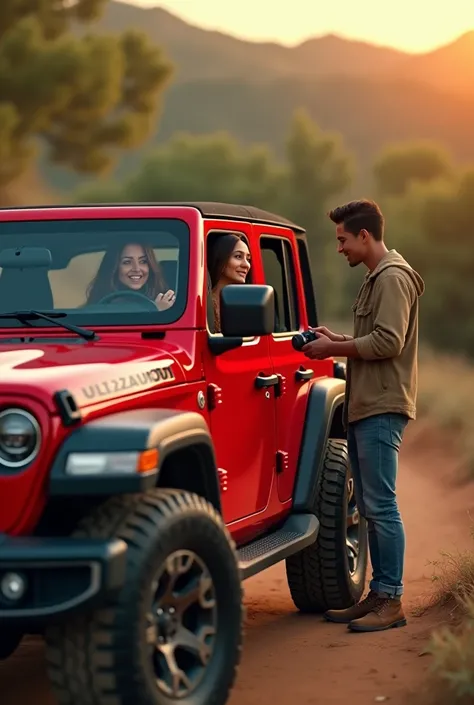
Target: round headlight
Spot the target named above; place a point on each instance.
(20, 438)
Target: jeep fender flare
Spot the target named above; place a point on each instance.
(173, 433)
(323, 420)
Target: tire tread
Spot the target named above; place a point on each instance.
(316, 574)
(86, 655)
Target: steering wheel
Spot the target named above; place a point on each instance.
(151, 306)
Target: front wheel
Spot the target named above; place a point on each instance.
(330, 574)
(174, 633)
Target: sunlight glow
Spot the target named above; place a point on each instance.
(410, 25)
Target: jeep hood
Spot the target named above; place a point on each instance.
(92, 372)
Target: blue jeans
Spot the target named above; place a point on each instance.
(373, 445)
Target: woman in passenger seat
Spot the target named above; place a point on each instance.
(228, 262)
(132, 267)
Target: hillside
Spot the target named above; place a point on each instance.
(450, 66)
(195, 50)
(372, 95)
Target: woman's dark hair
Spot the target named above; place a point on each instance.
(219, 249)
(106, 280)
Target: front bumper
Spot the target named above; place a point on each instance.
(62, 576)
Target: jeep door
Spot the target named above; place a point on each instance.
(242, 416)
(282, 270)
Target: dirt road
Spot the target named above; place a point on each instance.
(289, 658)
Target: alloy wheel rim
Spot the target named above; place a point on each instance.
(352, 528)
(181, 624)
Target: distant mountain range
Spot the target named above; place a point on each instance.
(202, 54)
(373, 95)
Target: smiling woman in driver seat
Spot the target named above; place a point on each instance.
(131, 268)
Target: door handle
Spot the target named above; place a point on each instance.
(263, 381)
(303, 375)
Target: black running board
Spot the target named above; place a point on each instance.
(298, 532)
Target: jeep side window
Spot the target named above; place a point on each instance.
(279, 268)
(308, 284)
(220, 247)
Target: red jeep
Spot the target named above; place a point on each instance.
(147, 466)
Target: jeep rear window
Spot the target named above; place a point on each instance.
(64, 279)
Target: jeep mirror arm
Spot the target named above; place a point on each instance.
(219, 344)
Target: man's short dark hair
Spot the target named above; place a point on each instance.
(360, 215)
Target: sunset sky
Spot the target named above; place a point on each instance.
(412, 25)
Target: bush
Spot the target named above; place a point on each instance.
(452, 648)
(453, 658)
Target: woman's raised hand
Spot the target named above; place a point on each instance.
(164, 301)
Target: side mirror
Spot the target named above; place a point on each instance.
(247, 310)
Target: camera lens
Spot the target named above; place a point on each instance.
(298, 341)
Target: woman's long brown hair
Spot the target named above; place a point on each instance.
(106, 280)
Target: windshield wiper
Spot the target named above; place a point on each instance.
(51, 317)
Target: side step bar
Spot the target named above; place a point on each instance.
(298, 532)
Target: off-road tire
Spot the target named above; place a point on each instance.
(10, 640)
(319, 577)
(100, 658)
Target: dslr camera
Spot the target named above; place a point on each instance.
(300, 339)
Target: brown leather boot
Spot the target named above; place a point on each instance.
(355, 612)
(386, 613)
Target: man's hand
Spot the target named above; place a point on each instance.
(335, 337)
(319, 349)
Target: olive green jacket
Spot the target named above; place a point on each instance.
(385, 378)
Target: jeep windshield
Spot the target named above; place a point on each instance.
(94, 272)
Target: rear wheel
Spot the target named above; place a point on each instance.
(330, 574)
(174, 634)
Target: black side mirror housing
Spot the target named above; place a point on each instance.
(247, 310)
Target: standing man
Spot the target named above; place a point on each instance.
(381, 391)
